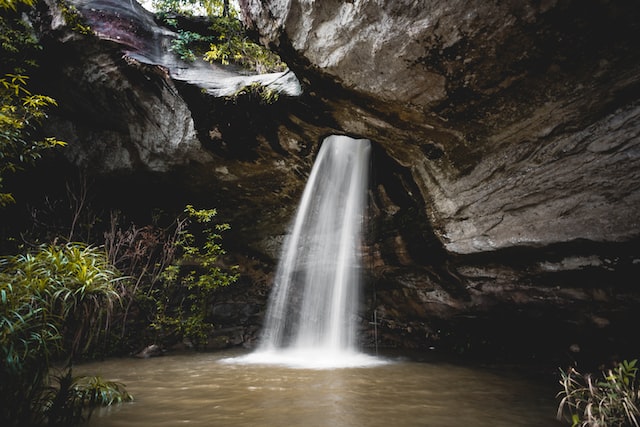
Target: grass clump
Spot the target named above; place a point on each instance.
(610, 399)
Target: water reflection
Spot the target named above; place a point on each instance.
(198, 390)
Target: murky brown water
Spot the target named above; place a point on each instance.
(199, 390)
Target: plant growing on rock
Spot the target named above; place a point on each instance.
(232, 45)
(226, 40)
(73, 18)
(211, 7)
(610, 400)
(262, 93)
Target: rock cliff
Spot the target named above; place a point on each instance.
(505, 190)
(515, 130)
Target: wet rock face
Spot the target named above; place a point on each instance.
(153, 129)
(499, 110)
(516, 126)
(110, 100)
(506, 142)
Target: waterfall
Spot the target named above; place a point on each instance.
(311, 317)
(320, 263)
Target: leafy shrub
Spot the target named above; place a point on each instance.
(72, 400)
(55, 305)
(21, 111)
(73, 18)
(175, 270)
(234, 46)
(226, 41)
(189, 45)
(613, 400)
(14, 4)
(189, 282)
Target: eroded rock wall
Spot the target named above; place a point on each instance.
(505, 183)
(518, 126)
(529, 104)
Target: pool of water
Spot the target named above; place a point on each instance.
(203, 389)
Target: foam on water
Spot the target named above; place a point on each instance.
(311, 358)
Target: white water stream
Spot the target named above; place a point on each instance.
(311, 318)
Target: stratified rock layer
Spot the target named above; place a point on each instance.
(517, 128)
(530, 106)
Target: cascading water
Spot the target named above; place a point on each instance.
(319, 266)
(310, 320)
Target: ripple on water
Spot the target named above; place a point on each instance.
(223, 389)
